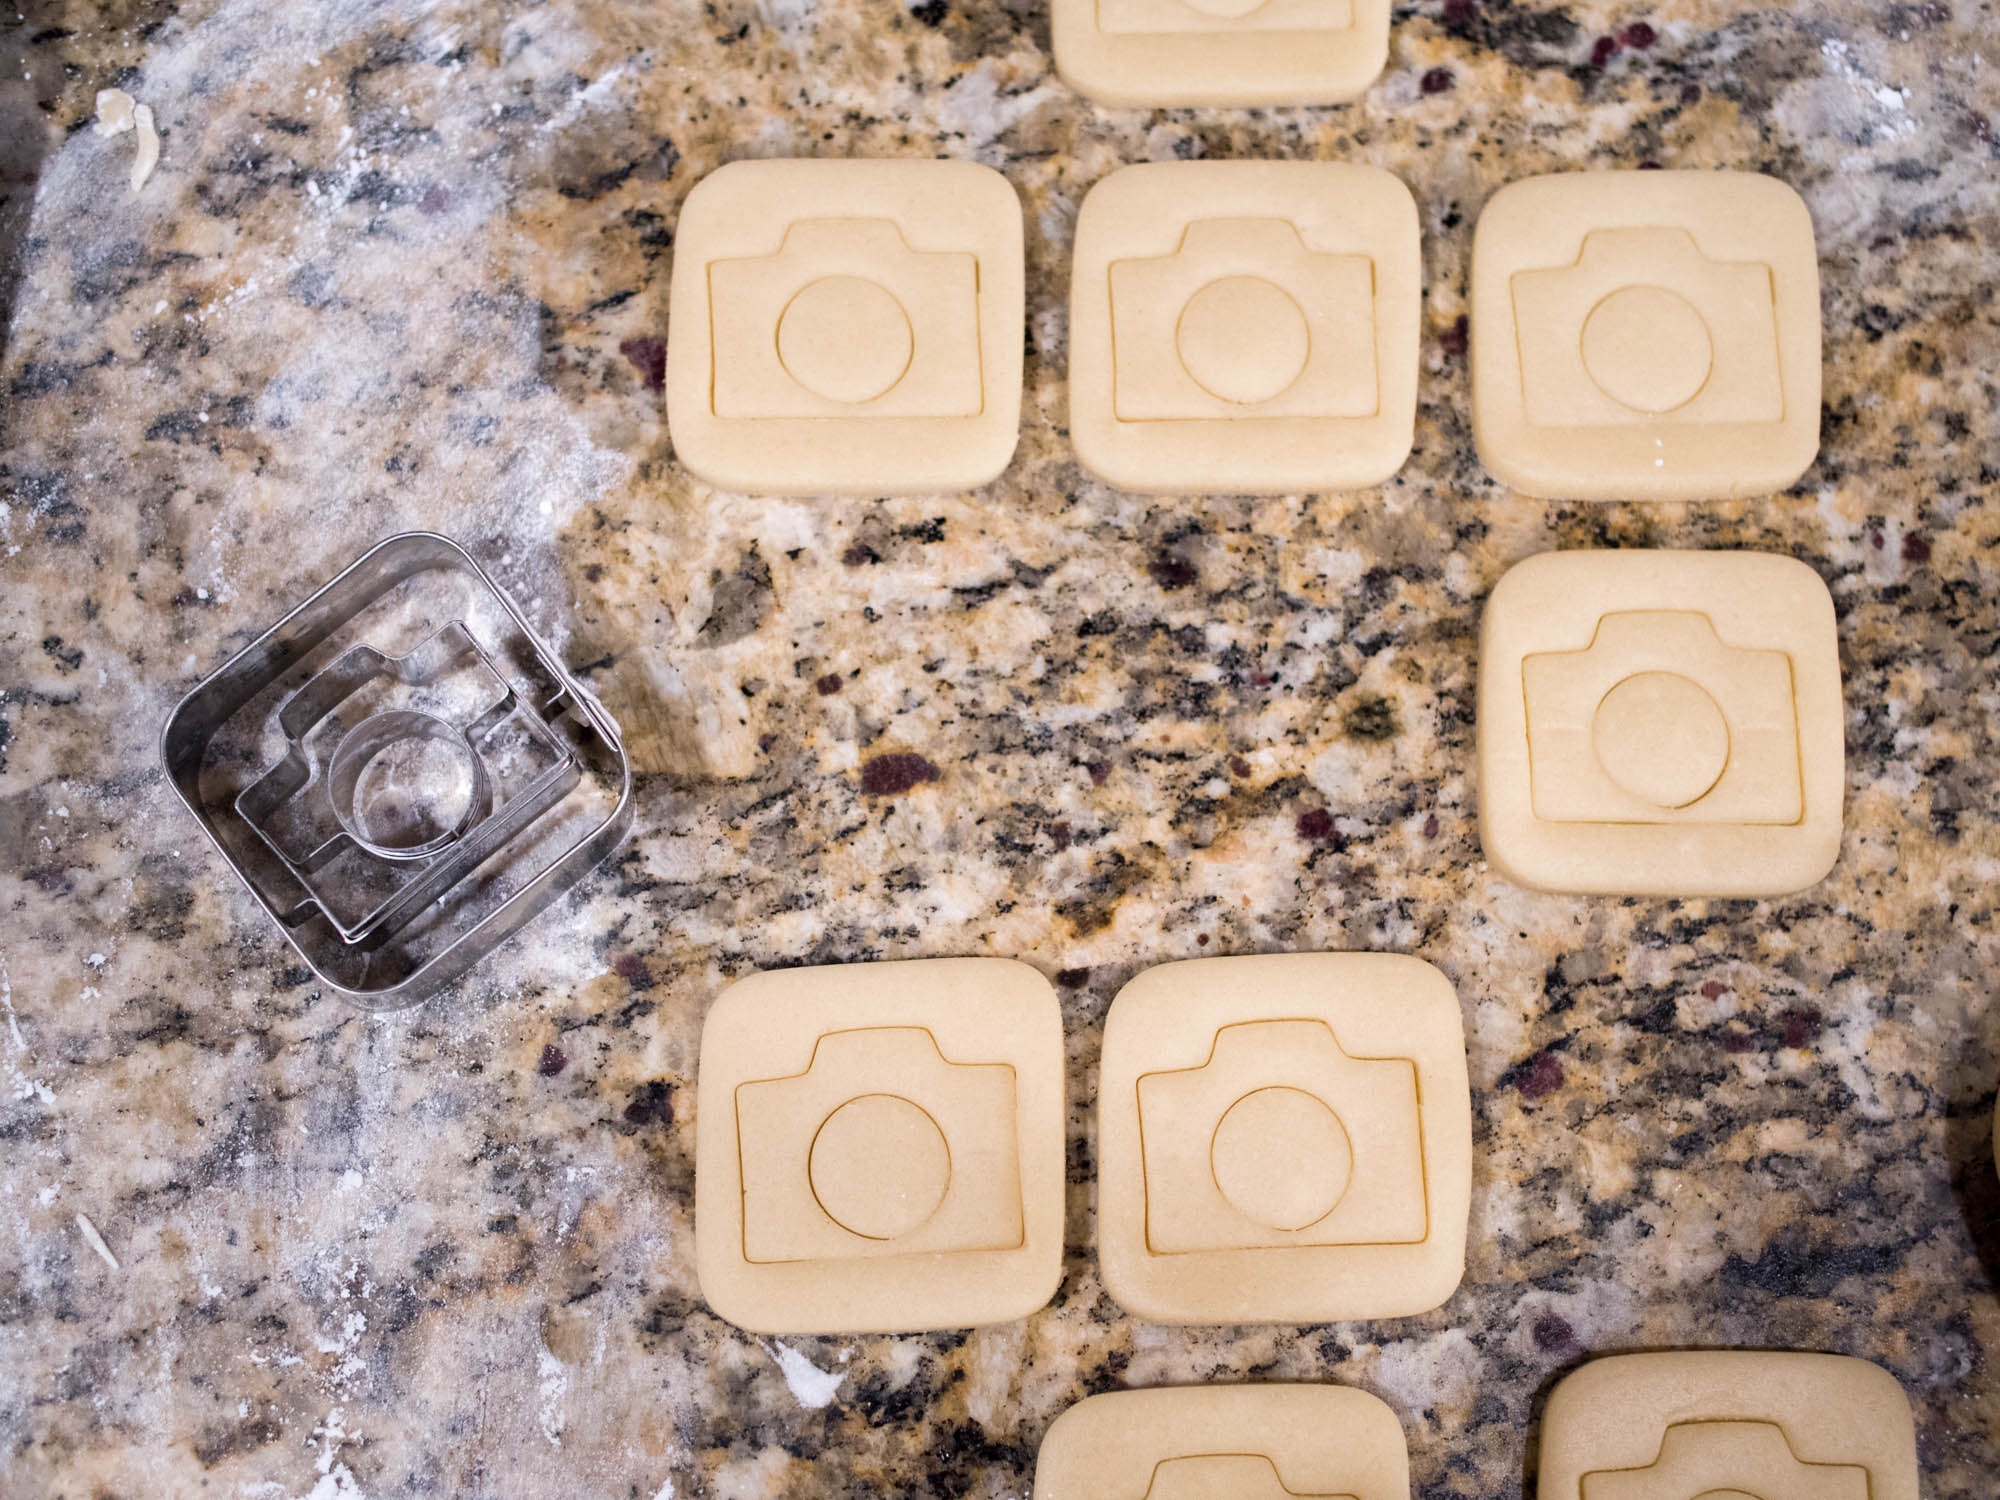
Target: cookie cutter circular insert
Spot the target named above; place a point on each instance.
(400, 771)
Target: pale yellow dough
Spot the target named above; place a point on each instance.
(1245, 327)
(879, 1147)
(846, 327)
(1228, 52)
(1284, 1138)
(1774, 1425)
(1240, 1442)
(1661, 724)
(1646, 336)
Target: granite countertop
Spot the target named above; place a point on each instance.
(406, 266)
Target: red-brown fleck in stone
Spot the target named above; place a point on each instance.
(1238, 766)
(1071, 979)
(1603, 51)
(1060, 835)
(1171, 571)
(648, 356)
(1438, 81)
(1542, 1078)
(892, 775)
(1553, 1334)
(1802, 1026)
(1456, 339)
(1431, 826)
(553, 1061)
(1316, 826)
(1638, 36)
(1916, 549)
(1201, 940)
(828, 685)
(1736, 1038)
(1100, 772)
(1715, 989)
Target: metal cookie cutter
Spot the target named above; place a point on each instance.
(400, 772)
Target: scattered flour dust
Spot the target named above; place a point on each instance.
(811, 1386)
(18, 1082)
(554, 1385)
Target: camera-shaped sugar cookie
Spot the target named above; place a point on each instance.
(1660, 723)
(1646, 335)
(1226, 1442)
(1245, 327)
(1774, 1424)
(880, 1147)
(845, 327)
(1228, 52)
(1284, 1138)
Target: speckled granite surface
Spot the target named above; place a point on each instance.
(406, 266)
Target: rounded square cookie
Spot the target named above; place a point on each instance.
(1247, 1442)
(846, 327)
(1284, 1138)
(1776, 1425)
(1646, 336)
(1144, 53)
(1245, 327)
(1658, 723)
(879, 1147)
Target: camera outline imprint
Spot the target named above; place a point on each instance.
(1180, 17)
(781, 1133)
(1190, 1205)
(825, 264)
(1331, 293)
(1640, 306)
(1239, 1476)
(1704, 1457)
(1738, 708)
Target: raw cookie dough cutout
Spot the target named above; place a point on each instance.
(1245, 1442)
(1245, 327)
(1718, 1425)
(1284, 1138)
(1228, 52)
(880, 1147)
(1660, 723)
(846, 327)
(1646, 336)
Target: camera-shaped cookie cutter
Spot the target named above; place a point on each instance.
(400, 772)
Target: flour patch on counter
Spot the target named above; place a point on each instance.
(553, 1386)
(811, 1386)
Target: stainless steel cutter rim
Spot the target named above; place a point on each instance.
(589, 851)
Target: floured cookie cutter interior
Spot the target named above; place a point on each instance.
(400, 772)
